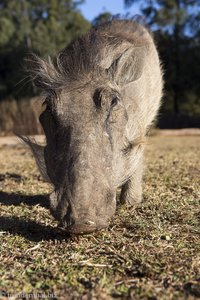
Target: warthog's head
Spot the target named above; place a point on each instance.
(84, 121)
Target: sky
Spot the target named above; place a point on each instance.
(92, 8)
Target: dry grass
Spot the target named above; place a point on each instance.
(150, 253)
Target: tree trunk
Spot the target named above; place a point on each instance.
(177, 31)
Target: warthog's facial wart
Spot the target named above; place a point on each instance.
(102, 94)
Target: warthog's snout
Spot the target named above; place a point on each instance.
(76, 221)
(84, 227)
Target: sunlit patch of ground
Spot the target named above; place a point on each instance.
(150, 253)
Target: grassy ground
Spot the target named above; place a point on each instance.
(150, 253)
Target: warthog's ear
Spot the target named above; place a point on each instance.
(128, 67)
(43, 73)
(38, 152)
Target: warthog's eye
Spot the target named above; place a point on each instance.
(106, 98)
(48, 107)
(48, 113)
(97, 97)
(115, 100)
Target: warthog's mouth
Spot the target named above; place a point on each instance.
(85, 227)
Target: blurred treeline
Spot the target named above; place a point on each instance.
(40, 26)
(46, 26)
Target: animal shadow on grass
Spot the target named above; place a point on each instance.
(17, 199)
(29, 229)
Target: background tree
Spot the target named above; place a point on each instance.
(41, 26)
(102, 18)
(176, 27)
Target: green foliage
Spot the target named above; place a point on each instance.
(102, 18)
(6, 30)
(41, 26)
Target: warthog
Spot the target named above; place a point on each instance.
(102, 93)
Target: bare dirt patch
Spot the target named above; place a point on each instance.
(179, 132)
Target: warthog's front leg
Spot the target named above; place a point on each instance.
(131, 192)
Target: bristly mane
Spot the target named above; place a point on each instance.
(87, 56)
